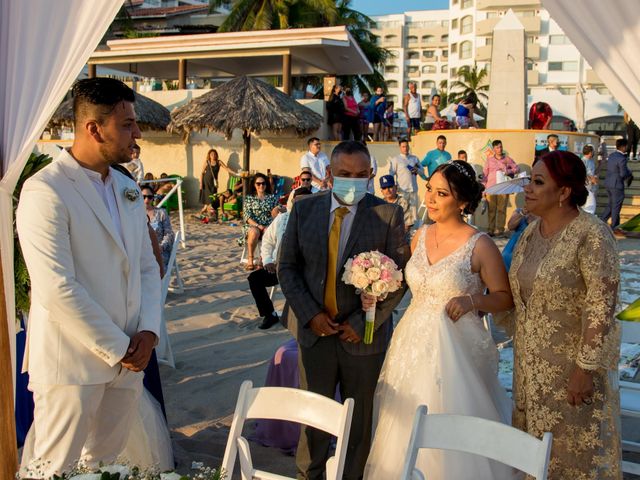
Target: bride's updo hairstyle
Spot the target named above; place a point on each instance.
(463, 183)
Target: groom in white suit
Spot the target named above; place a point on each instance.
(95, 287)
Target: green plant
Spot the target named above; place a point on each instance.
(21, 275)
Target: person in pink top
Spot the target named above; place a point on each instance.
(498, 162)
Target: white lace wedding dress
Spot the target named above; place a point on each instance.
(449, 366)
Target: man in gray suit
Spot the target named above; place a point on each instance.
(324, 314)
(617, 173)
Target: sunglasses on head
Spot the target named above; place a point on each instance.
(150, 197)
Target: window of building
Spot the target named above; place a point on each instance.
(531, 39)
(465, 50)
(567, 90)
(466, 24)
(390, 38)
(444, 38)
(453, 72)
(412, 69)
(563, 66)
(391, 69)
(392, 83)
(428, 84)
(444, 68)
(428, 39)
(488, 41)
(412, 40)
(525, 13)
(454, 23)
(391, 98)
(413, 55)
(493, 14)
(466, 4)
(454, 48)
(603, 91)
(429, 54)
(429, 69)
(445, 53)
(559, 40)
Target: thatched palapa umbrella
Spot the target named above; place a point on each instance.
(150, 115)
(246, 104)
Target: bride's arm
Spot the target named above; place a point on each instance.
(486, 260)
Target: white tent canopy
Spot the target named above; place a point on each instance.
(43, 47)
(607, 34)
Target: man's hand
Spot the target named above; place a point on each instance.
(139, 351)
(629, 180)
(348, 334)
(270, 267)
(322, 325)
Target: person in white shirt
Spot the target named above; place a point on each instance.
(135, 166)
(316, 162)
(405, 168)
(265, 277)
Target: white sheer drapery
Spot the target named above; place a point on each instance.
(43, 47)
(607, 34)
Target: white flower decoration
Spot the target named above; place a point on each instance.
(131, 194)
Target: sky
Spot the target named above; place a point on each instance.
(383, 7)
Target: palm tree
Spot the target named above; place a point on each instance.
(471, 80)
(281, 14)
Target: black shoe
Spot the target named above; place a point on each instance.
(269, 321)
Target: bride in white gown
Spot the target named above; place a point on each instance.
(440, 354)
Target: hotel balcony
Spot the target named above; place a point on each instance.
(506, 4)
(483, 54)
(485, 27)
(533, 78)
(533, 51)
(593, 78)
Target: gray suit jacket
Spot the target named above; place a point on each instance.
(617, 171)
(302, 266)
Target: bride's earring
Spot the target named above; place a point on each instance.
(560, 204)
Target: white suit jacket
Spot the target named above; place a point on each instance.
(90, 291)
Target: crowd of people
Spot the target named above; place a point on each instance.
(86, 230)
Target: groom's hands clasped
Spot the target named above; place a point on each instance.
(139, 351)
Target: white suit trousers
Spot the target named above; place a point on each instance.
(79, 423)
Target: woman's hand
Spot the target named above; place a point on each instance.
(458, 306)
(580, 388)
(368, 301)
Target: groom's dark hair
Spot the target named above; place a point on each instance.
(349, 147)
(97, 97)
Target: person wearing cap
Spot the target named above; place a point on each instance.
(391, 195)
(405, 167)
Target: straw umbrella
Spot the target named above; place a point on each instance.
(150, 115)
(249, 105)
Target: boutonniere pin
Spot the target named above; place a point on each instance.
(131, 194)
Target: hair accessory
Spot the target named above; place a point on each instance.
(461, 169)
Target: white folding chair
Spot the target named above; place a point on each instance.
(479, 436)
(279, 403)
(630, 396)
(163, 349)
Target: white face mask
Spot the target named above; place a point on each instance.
(350, 190)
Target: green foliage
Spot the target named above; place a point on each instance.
(21, 275)
(471, 79)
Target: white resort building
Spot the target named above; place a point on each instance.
(430, 46)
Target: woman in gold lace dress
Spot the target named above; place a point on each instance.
(564, 279)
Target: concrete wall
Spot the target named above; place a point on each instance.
(162, 152)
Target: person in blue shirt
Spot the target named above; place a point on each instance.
(378, 107)
(437, 156)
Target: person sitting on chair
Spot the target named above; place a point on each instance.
(265, 277)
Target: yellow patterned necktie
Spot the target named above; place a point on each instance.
(330, 301)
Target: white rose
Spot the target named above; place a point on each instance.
(373, 273)
(170, 476)
(379, 288)
(360, 281)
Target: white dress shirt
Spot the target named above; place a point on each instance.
(106, 191)
(272, 237)
(317, 164)
(399, 168)
(347, 222)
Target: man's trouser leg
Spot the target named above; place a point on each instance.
(492, 208)
(259, 280)
(501, 213)
(617, 198)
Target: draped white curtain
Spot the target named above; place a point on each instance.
(43, 47)
(607, 34)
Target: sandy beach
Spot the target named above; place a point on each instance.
(213, 327)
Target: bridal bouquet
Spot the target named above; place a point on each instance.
(374, 274)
